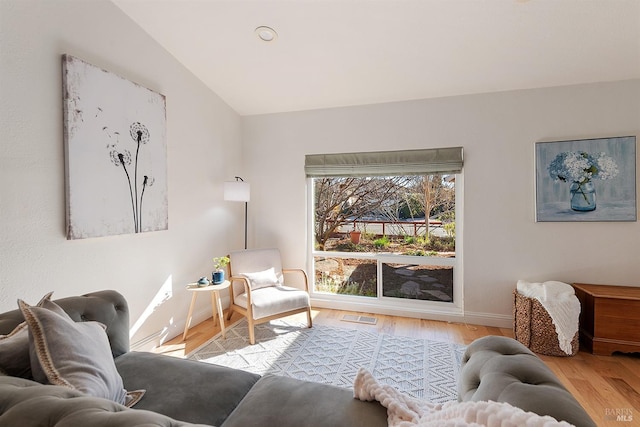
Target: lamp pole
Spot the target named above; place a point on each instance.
(238, 191)
(246, 208)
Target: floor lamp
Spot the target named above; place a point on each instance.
(238, 191)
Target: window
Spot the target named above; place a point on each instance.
(383, 238)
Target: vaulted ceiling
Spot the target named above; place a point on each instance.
(331, 53)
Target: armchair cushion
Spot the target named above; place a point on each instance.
(274, 300)
(262, 279)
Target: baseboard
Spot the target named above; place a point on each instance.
(147, 343)
(489, 319)
(169, 332)
(452, 314)
(445, 314)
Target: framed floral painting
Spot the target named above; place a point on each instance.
(115, 153)
(586, 180)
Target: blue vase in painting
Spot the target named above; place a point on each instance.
(583, 196)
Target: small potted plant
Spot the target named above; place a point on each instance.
(219, 263)
(354, 235)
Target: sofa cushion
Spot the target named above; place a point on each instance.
(282, 401)
(503, 370)
(184, 389)
(28, 403)
(14, 348)
(14, 352)
(75, 355)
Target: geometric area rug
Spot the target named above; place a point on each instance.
(421, 368)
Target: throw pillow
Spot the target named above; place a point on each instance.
(14, 349)
(70, 354)
(262, 279)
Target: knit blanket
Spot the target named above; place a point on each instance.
(561, 303)
(406, 411)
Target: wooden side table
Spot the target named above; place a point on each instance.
(609, 318)
(216, 304)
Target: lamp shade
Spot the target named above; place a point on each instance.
(236, 191)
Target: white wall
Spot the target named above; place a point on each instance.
(502, 242)
(203, 139)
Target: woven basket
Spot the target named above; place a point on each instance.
(534, 328)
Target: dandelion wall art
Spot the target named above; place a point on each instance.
(586, 180)
(115, 153)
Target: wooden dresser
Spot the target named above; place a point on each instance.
(609, 318)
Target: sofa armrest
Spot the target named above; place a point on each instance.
(28, 403)
(503, 370)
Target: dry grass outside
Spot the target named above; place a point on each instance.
(347, 276)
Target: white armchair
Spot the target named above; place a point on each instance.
(258, 290)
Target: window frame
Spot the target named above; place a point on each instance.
(380, 304)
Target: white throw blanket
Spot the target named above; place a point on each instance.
(561, 303)
(406, 411)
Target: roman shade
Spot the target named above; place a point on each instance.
(385, 163)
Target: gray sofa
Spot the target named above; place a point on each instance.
(181, 392)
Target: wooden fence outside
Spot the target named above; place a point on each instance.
(392, 228)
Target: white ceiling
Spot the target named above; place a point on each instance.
(332, 53)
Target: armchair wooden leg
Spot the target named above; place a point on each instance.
(252, 333)
(230, 302)
(309, 317)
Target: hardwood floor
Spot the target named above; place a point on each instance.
(606, 386)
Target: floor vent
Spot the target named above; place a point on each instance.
(359, 319)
